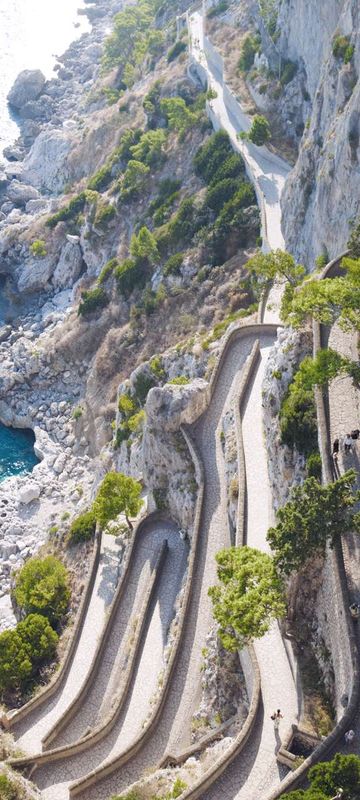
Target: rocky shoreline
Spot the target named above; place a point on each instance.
(37, 388)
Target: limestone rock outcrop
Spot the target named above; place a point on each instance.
(69, 265)
(28, 86)
(45, 167)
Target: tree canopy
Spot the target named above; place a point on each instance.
(118, 494)
(24, 649)
(327, 777)
(249, 596)
(327, 300)
(313, 516)
(275, 265)
(42, 587)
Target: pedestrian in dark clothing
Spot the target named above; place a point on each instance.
(355, 433)
(336, 448)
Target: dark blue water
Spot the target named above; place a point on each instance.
(16, 451)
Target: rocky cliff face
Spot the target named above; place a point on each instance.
(321, 196)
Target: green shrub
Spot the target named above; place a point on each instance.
(126, 405)
(136, 422)
(38, 248)
(180, 380)
(175, 50)
(167, 188)
(231, 167)
(157, 368)
(249, 48)
(24, 650)
(39, 638)
(76, 205)
(341, 47)
(107, 270)
(41, 587)
(149, 148)
(173, 264)
(211, 155)
(298, 421)
(179, 117)
(104, 215)
(77, 413)
(220, 8)
(129, 274)
(314, 466)
(101, 179)
(288, 72)
(143, 383)
(92, 300)
(143, 246)
(217, 195)
(260, 132)
(83, 527)
(9, 790)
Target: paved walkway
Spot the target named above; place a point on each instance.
(30, 731)
(269, 172)
(54, 779)
(174, 728)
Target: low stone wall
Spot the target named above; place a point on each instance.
(101, 731)
(107, 769)
(10, 719)
(214, 58)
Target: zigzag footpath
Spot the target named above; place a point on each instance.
(170, 727)
(33, 721)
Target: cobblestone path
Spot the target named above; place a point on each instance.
(54, 778)
(30, 731)
(256, 771)
(174, 727)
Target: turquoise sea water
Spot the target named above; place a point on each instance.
(16, 451)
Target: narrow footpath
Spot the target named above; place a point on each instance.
(30, 731)
(268, 171)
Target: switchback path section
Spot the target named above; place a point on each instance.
(54, 778)
(255, 772)
(174, 726)
(30, 731)
(268, 172)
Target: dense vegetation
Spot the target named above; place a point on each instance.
(249, 596)
(314, 516)
(328, 776)
(83, 527)
(41, 587)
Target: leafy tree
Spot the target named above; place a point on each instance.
(211, 156)
(38, 637)
(83, 527)
(175, 50)
(249, 597)
(354, 241)
(143, 246)
(298, 420)
(9, 790)
(15, 662)
(149, 149)
(313, 516)
(180, 118)
(329, 299)
(259, 132)
(219, 193)
(277, 265)
(134, 178)
(249, 48)
(118, 494)
(327, 776)
(41, 587)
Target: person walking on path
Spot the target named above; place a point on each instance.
(348, 443)
(335, 450)
(276, 717)
(349, 736)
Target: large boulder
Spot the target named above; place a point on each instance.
(170, 406)
(28, 86)
(69, 265)
(19, 193)
(29, 492)
(35, 274)
(46, 166)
